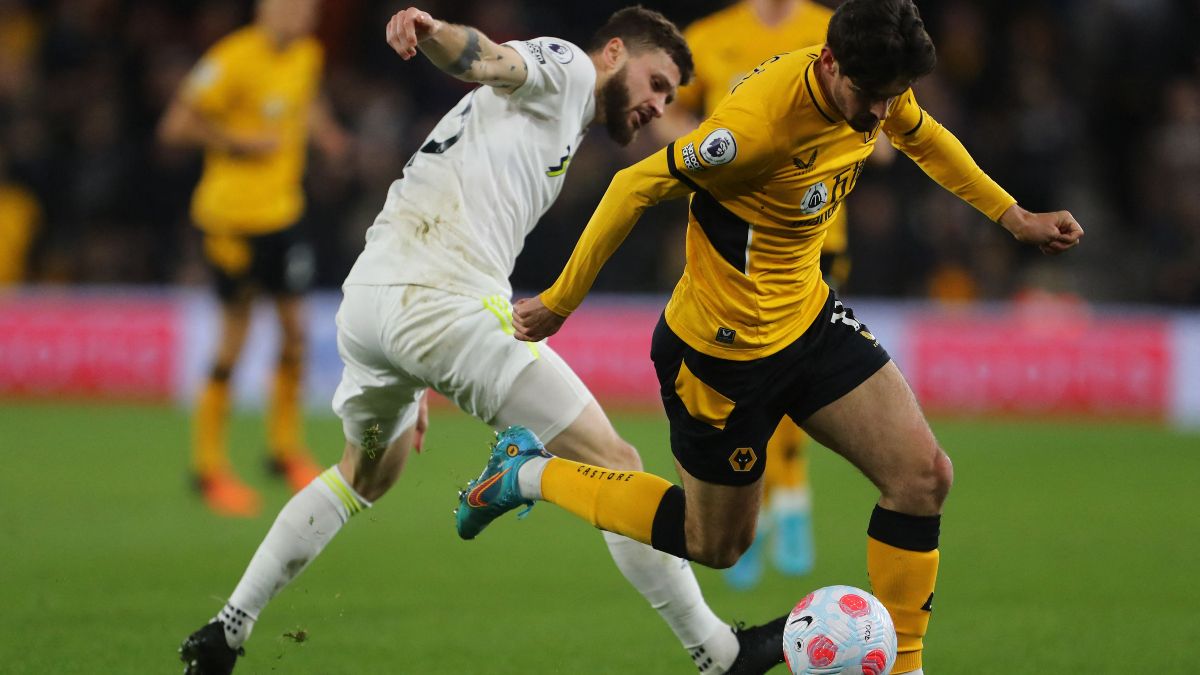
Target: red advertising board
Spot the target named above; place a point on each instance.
(89, 347)
(1025, 365)
(608, 346)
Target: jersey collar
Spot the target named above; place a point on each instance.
(818, 96)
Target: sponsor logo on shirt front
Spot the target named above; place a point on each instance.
(815, 198)
(718, 147)
(689, 158)
(560, 52)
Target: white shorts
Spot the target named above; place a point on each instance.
(397, 340)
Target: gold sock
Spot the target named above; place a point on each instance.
(624, 502)
(903, 578)
(209, 454)
(283, 411)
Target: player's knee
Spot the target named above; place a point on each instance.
(369, 480)
(291, 347)
(943, 477)
(624, 456)
(929, 483)
(371, 476)
(291, 357)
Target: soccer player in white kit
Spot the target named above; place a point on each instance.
(426, 305)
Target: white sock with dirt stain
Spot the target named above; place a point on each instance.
(306, 524)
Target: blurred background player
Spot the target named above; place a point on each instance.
(728, 44)
(20, 217)
(250, 104)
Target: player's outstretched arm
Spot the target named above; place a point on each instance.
(631, 192)
(461, 51)
(1053, 232)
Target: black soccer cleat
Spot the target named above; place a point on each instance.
(206, 652)
(760, 648)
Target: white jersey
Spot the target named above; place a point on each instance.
(487, 172)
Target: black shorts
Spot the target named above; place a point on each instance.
(722, 412)
(280, 263)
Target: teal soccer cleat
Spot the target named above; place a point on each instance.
(497, 491)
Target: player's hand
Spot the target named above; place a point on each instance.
(409, 28)
(1053, 232)
(533, 322)
(422, 423)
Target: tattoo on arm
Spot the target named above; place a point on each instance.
(469, 56)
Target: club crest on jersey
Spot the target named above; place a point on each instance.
(560, 52)
(718, 147)
(814, 199)
(689, 158)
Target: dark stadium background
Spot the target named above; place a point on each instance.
(1086, 105)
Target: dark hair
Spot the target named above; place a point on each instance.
(879, 42)
(644, 29)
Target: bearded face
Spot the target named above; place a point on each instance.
(614, 101)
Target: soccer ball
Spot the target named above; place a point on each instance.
(839, 630)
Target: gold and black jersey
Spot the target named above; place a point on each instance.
(767, 172)
(730, 43)
(248, 86)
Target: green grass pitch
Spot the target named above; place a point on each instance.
(1067, 547)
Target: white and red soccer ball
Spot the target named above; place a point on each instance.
(839, 630)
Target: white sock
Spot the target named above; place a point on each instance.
(305, 525)
(670, 586)
(529, 477)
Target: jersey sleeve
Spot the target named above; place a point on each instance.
(211, 84)
(631, 192)
(943, 157)
(737, 143)
(560, 76)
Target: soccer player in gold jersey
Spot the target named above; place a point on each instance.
(728, 44)
(753, 333)
(251, 104)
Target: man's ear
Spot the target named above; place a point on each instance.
(614, 53)
(827, 62)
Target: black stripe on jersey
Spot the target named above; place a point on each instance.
(725, 231)
(920, 121)
(679, 175)
(808, 83)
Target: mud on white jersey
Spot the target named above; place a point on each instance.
(458, 217)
